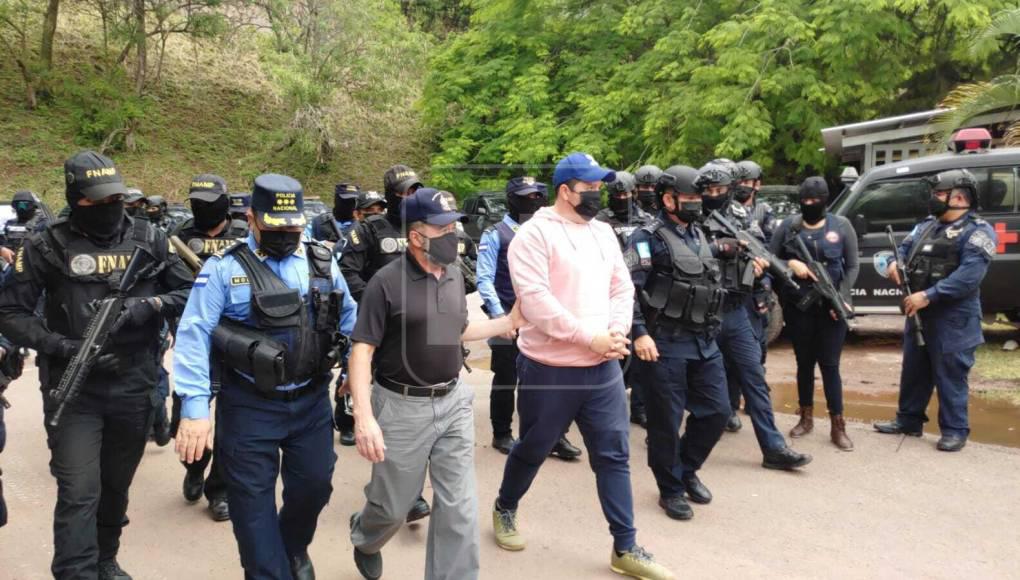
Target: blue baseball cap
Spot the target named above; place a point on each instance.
(278, 200)
(240, 202)
(582, 167)
(346, 191)
(525, 186)
(431, 206)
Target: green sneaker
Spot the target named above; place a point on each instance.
(637, 563)
(504, 522)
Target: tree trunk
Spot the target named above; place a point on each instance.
(140, 41)
(48, 32)
(30, 98)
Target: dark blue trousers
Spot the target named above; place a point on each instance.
(548, 399)
(922, 371)
(688, 375)
(254, 431)
(741, 351)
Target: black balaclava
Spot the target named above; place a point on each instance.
(101, 222)
(813, 188)
(209, 214)
(343, 209)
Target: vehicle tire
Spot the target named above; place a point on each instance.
(775, 321)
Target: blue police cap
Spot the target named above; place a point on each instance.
(240, 201)
(346, 191)
(582, 167)
(278, 200)
(430, 206)
(525, 186)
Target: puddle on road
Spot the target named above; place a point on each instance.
(993, 421)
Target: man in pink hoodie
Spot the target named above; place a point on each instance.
(576, 294)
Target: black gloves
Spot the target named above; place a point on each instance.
(728, 247)
(136, 312)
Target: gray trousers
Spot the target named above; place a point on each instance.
(425, 435)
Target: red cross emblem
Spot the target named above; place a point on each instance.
(1005, 238)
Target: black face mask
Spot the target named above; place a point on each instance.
(442, 249)
(25, 213)
(619, 206)
(209, 214)
(521, 208)
(343, 209)
(647, 201)
(742, 193)
(714, 203)
(102, 222)
(279, 244)
(393, 203)
(590, 204)
(813, 213)
(134, 211)
(688, 211)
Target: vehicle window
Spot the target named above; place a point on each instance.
(996, 189)
(900, 203)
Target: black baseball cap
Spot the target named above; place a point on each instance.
(430, 206)
(278, 200)
(370, 198)
(134, 195)
(207, 187)
(89, 174)
(814, 187)
(400, 178)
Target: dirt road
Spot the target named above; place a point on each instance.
(882, 511)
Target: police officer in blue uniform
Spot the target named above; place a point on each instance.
(524, 197)
(676, 318)
(740, 347)
(947, 257)
(239, 204)
(101, 436)
(746, 185)
(815, 329)
(272, 310)
(624, 215)
(333, 226)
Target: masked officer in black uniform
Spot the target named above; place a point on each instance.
(209, 231)
(947, 257)
(271, 309)
(815, 329)
(739, 346)
(624, 215)
(676, 317)
(156, 213)
(101, 435)
(646, 178)
(29, 219)
(333, 226)
(379, 240)
(370, 203)
(134, 202)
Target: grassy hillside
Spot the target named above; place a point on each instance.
(214, 110)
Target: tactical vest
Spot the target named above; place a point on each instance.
(689, 295)
(935, 254)
(737, 274)
(324, 228)
(623, 228)
(829, 253)
(304, 326)
(16, 232)
(205, 246)
(388, 242)
(90, 272)
(504, 287)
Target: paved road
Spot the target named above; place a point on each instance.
(881, 511)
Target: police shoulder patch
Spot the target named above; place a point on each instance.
(631, 259)
(238, 280)
(983, 241)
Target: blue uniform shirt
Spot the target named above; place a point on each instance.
(485, 267)
(214, 295)
(979, 244)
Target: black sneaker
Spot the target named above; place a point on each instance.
(565, 450)
(419, 510)
(370, 565)
(219, 510)
(785, 458)
(503, 444)
(111, 570)
(676, 507)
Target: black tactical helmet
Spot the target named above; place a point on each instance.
(713, 173)
(624, 183)
(954, 179)
(647, 175)
(747, 169)
(24, 195)
(678, 178)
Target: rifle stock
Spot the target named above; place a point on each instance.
(190, 258)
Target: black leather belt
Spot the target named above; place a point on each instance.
(440, 390)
